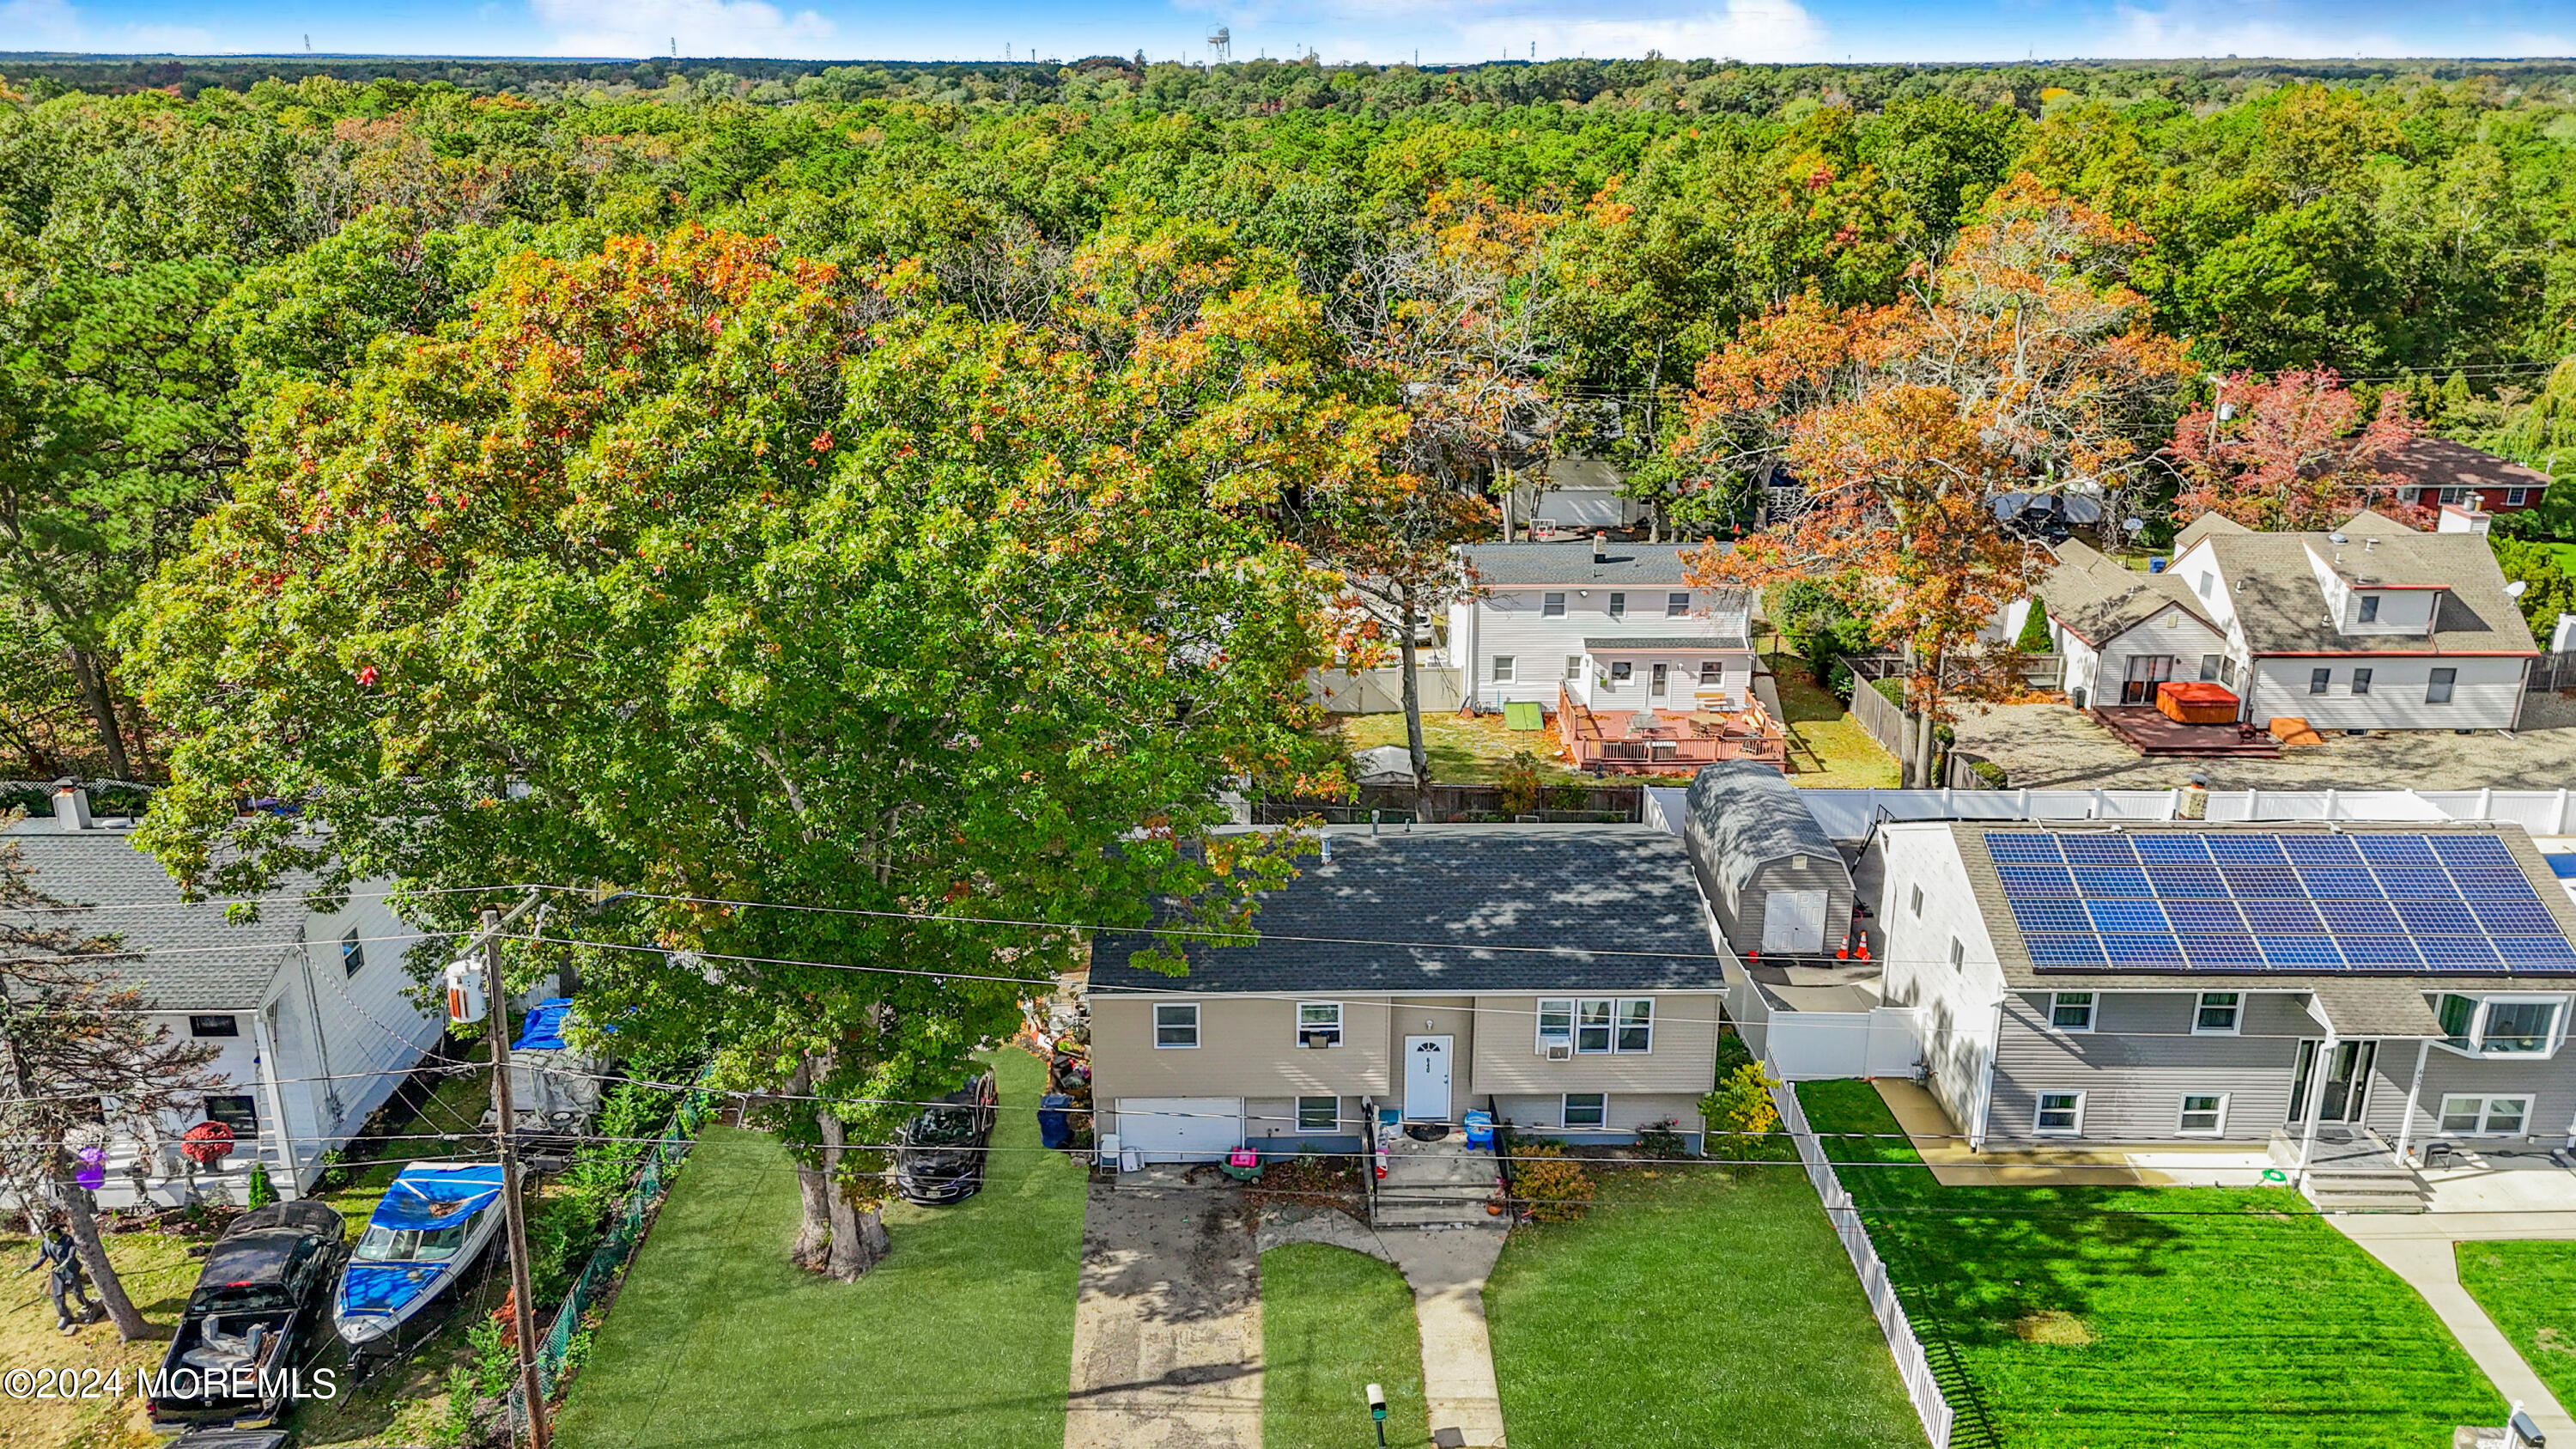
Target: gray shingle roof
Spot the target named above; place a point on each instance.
(1480, 910)
(1627, 565)
(2282, 610)
(1613, 643)
(2099, 597)
(187, 957)
(1742, 813)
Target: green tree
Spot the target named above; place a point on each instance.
(719, 577)
(2034, 628)
(2547, 589)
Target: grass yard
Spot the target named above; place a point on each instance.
(2104, 1318)
(1832, 751)
(964, 1335)
(1464, 749)
(1695, 1307)
(1332, 1323)
(157, 1273)
(2529, 1289)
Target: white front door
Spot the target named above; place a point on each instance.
(1793, 921)
(1426, 1078)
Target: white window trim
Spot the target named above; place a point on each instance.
(1551, 601)
(1161, 1045)
(2182, 1109)
(1507, 669)
(1618, 1024)
(1618, 605)
(1543, 1035)
(2478, 1048)
(1297, 1107)
(1301, 1028)
(1564, 1123)
(1677, 606)
(2092, 1011)
(2039, 1103)
(1573, 667)
(2485, 1112)
(2235, 1026)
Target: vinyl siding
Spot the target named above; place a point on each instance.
(2170, 631)
(1954, 1006)
(2139, 1060)
(1510, 622)
(2484, 697)
(1622, 1113)
(1247, 1048)
(1271, 1123)
(1684, 1058)
(1823, 873)
(2551, 1083)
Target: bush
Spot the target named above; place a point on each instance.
(1662, 1141)
(1741, 1112)
(262, 1191)
(1553, 1187)
(1520, 783)
(1988, 771)
(1732, 1053)
(1839, 680)
(2034, 629)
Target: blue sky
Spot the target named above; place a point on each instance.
(1379, 30)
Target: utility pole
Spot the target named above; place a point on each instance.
(506, 1130)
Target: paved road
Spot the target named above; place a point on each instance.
(1167, 1329)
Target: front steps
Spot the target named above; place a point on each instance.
(1435, 1184)
(2351, 1169)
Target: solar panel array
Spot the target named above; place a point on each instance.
(2258, 901)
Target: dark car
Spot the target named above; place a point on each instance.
(939, 1155)
(243, 1350)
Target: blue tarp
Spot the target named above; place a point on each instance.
(384, 1287)
(2562, 866)
(426, 1196)
(543, 1030)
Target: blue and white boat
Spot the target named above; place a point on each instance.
(435, 1221)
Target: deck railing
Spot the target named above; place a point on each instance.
(1673, 744)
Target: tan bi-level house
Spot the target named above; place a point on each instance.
(1561, 977)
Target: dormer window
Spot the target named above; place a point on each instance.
(2370, 608)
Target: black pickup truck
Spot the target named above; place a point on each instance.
(243, 1350)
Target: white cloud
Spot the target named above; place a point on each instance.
(2195, 28)
(1755, 30)
(40, 25)
(702, 27)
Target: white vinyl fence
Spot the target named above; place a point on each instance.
(1850, 814)
(1911, 1364)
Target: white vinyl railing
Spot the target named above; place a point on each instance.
(1911, 1363)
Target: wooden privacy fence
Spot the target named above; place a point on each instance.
(1881, 718)
(2553, 671)
(1912, 1364)
(1393, 806)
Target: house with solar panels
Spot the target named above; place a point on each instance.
(2344, 990)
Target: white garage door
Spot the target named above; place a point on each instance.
(1181, 1129)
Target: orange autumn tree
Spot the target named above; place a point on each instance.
(2287, 455)
(2023, 362)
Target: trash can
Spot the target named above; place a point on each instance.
(1055, 1129)
(1480, 1129)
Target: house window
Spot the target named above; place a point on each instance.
(1319, 1023)
(1586, 1109)
(1958, 954)
(214, 1026)
(1918, 906)
(1592, 1025)
(1637, 1025)
(2209, 666)
(1176, 1023)
(1319, 1114)
(1622, 672)
(2071, 1011)
(2370, 608)
(1551, 606)
(2204, 584)
(1555, 1025)
(2061, 1114)
(1506, 666)
(1676, 605)
(2219, 1013)
(1618, 606)
(2438, 691)
(1574, 666)
(2318, 679)
(2485, 1116)
(2204, 1114)
(2516, 497)
(2484, 1026)
(2227, 671)
(353, 952)
(236, 1113)
(2361, 681)
(1712, 672)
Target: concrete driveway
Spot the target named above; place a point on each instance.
(1167, 1327)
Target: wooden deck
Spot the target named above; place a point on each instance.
(2149, 732)
(1665, 742)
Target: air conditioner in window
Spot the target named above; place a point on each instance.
(1316, 1040)
(1558, 1051)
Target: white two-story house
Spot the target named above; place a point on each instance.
(1618, 626)
(2370, 626)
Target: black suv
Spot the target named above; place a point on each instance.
(939, 1155)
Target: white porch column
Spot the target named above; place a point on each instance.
(2414, 1091)
(2316, 1095)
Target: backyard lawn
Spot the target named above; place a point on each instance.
(1464, 749)
(1698, 1306)
(964, 1335)
(2529, 1289)
(1332, 1323)
(2101, 1318)
(1830, 751)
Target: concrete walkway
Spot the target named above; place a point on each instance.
(1167, 1324)
(2422, 1250)
(1446, 1269)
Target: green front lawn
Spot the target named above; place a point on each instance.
(2529, 1290)
(1829, 749)
(1696, 1306)
(1463, 749)
(2104, 1318)
(964, 1335)
(1332, 1323)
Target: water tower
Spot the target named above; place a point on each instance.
(1221, 43)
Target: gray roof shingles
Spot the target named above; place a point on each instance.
(184, 957)
(1747, 813)
(1648, 643)
(2281, 609)
(1609, 908)
(1625, 564)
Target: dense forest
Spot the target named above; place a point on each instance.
(191, 252)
